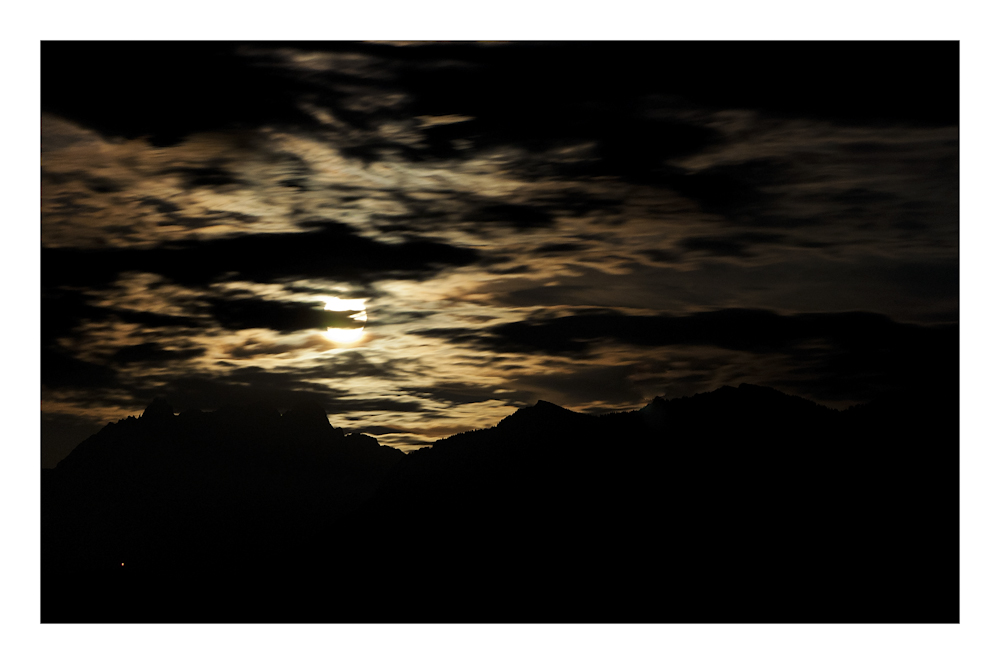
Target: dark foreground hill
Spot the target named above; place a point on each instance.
(740, 505)
(164, 500)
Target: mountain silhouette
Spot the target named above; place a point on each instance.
(740, 505)
(171, 496)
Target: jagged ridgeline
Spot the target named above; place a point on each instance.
(740, 505)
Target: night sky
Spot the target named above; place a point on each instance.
(424, 237)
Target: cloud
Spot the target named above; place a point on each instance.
(328, 250)
(465, 393)
(206, 176)
(658, 177)
(255, 348)
(851, 355)
(615, 98)
(905, 287)
(862, 196)
(735, 191)
(559, 248)
(60, 370)
(354, 363)
(161, 206)
(628, 104)
(371, 405)
(378, 430)
(520, 217)
(63, 311)
(153, 352)
(606, 385)
(276, 388)
(738, 244)
(245, 313)
(736, 329)
(166, 90)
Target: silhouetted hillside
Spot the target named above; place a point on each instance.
(740, 505)
(175, 496)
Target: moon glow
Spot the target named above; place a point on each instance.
(346, 335)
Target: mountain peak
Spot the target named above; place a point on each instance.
(544, 408)
(543, 414)
(159, 408)
(307, 412)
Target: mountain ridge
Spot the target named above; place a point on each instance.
(632, 496)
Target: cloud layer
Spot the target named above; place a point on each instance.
(589, 223)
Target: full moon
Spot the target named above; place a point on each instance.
(344, 335)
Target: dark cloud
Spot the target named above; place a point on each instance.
(849, 353)
(660, 255)
(378, 430)
(559, 248)
(68, 205)
(374, 405)
(62, 370)
(734, 245)
(737, 329)
(95, 183)
(153, 352)
(244, 313)
(581, 203)
(562, 294)
(847, 80)
(354, 363)
(206, 176)
(862, 196)
(613, 95)
(904, 289)
(520, 217)
(101, 185)
(534, 96)
(455, 209)
(463, 393)
(540, 120)
(611, 384)
(928, 281)
(328, 250)
(279, 389)
(167, 90)
(64, 310)
(587, 141)
(253, 348)
(209, 218)
(782, 193)
(152, 319)
(537, 96)
(515, 269)
(732, 190)
(164, 207)
(397, 317)
(104, 385)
